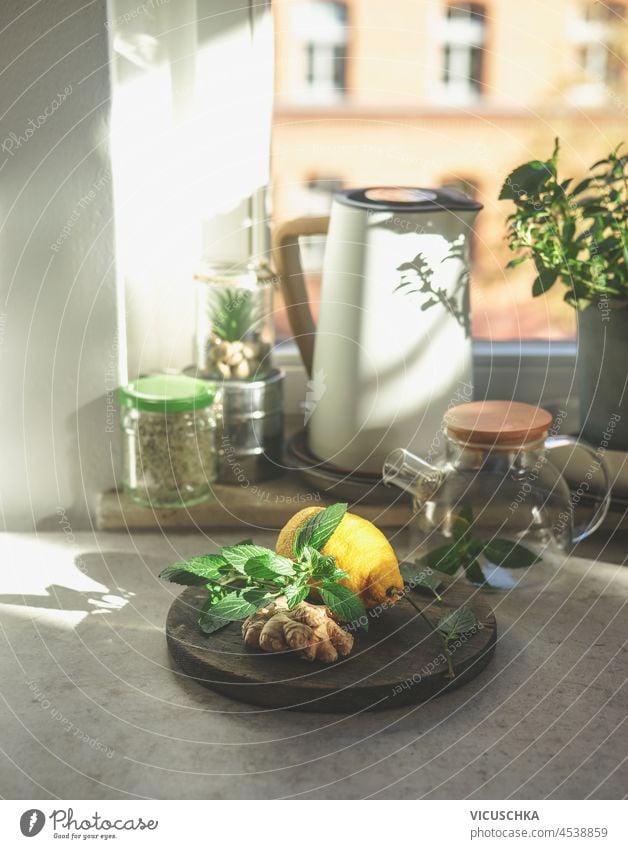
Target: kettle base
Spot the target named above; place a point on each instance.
(342, 483)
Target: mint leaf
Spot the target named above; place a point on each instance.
(460, 527)
(260, 568)
(282, 565)
(422, 578)
(236, 606)
(509, 554)
(295, 594)
(343, 602)
(474, 573)
(321, 565)
(269, 567)
(238, 555)
(208, 622)
(456, 622)
(195, 571)
(318, 529)
(257, 596)
(446, 558)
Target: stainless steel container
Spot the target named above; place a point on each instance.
(250, 445)
(250, 436)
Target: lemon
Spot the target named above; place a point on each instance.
(361, 550)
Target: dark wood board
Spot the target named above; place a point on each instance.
(397, 662)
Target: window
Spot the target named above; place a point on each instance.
(463, 52)
(318, 196)
(321, 30)
(596, 35)
(401, 127)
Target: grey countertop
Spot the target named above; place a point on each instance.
(94, 709)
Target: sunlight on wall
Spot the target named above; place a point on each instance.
(190, 146)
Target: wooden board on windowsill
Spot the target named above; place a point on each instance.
(266, 505)
(269, 507)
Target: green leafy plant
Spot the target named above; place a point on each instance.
(233, 313)
(242, 578)
(451, 625)
(577, 234)
(465, 549)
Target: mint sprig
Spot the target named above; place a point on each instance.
(465, 552)
(242, 578)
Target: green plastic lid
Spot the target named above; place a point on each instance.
(167, 393)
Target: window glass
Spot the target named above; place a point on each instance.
(318, 36)
(432, 94)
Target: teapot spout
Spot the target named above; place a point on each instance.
(412, 474)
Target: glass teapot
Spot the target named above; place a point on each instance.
(495, 506)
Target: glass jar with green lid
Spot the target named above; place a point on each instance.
(169, 427)
(234, 327)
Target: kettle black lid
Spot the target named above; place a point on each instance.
(406, 199)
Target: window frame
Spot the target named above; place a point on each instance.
(328, 93)
(592, 36)
(456, 90)
(533, 371)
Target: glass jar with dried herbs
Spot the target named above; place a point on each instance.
(170, 451)
(234, 329)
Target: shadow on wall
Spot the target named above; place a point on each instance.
(92, 462)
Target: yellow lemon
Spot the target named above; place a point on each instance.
(360, 549)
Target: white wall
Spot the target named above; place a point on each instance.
(58, 352)
(192, 99)
(192, 105)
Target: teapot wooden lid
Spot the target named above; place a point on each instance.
(497, 422)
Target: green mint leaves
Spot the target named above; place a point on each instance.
(240, 579)
(317, 531)
(194, 572)
(464, 551)
(344, 603)
(456, 623)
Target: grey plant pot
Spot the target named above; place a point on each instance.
(602, 369)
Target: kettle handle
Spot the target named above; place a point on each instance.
(598, 462)
(287, 262)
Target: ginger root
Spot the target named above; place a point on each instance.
(307, 629)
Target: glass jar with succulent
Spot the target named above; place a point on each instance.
(577, 233)
(235, 331)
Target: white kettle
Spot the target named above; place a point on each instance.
(392, 350)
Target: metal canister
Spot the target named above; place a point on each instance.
(250, 445)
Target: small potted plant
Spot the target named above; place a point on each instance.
(577, 233)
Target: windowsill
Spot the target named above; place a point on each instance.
(410, 112)
(533, 371)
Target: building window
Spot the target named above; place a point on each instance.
(321, 29)
(464, 34)
(596, 34)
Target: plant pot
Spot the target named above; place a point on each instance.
(602, 369)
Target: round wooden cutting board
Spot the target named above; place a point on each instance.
(397, 662)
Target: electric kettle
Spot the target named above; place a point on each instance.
(392, 349)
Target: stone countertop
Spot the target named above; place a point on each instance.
(94, 709)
